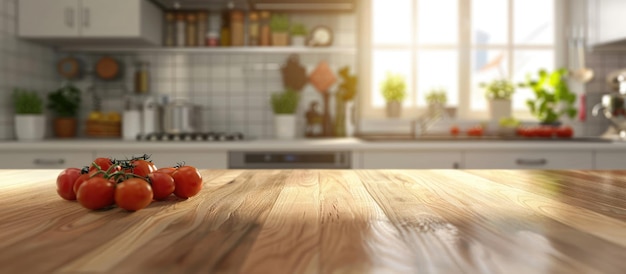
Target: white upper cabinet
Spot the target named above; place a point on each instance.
(605, 21)
(84, 22)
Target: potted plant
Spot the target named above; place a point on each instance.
(298, 35)
(436, 98)
(553, 97)
(393, 89)
(284, 105)
(29, 120)
(279, 24)
(64, 102)
(498, 93)
(344, 116)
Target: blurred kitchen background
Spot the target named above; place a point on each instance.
(446, 44)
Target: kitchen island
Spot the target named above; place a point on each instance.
(328, 221)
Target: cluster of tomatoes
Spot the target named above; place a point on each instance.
(471, 131)
(545, 131)
(130, 184)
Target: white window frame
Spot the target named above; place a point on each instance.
(366, 110)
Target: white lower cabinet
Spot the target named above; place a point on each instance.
(410, 160)
(528, 160)
(44, 160)
(201, 160)
(610, 160)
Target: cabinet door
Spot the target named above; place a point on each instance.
(410, 160)
(50, 18)
(610, 160)
(44, 160)
(110, 18)
(528, 160)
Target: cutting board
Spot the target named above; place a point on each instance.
(294, 74)
(322, 77)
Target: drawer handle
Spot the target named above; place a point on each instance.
(49, 162)
(531, 162)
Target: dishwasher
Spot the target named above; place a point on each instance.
(289, 160)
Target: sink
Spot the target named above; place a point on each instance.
(410, 138)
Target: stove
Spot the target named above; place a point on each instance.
(192, 137)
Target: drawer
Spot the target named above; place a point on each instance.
(45, 160)
(528, 160)
(411, 160)
(610, 160)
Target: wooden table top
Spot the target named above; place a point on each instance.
(328, 221)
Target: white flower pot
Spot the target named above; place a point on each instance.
(285, 126)
(499, 108)
(30, 127)
(298, 41)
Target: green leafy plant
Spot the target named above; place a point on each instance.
(279, 22)
(498, 89)
(27, 102)
(299, 29)
(553, 97)
(285, 102)
(347, 88)
(393, 88)
(437, 96)
(65, 101)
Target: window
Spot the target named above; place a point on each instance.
(456, 44)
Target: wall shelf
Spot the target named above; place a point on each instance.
(210, 50)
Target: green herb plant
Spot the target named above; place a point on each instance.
(299, 29)
(393, 88)
(27, 102)
(65, 101)
(279, 22)
(285, 102)
(347, 88)
(437, 96)
(498, 89)
(553, 97)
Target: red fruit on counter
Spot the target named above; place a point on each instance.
(65, 183)
(564, 132)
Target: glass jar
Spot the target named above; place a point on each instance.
(264, 28)
(203, 26)
(180, 29)
(142, 77)
(192, 32)
(253, 28)
(212, 39)
(236, 28)
(225, 31)
(169, 35)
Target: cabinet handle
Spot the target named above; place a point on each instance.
(86, 17)
(69, 17)
(531, 162)
(455, 165)
(48, 162)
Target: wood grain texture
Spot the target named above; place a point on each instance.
(328, 221)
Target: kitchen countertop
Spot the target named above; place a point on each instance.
(327, 221)
(304, 144)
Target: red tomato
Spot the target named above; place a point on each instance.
(188, 181)
(103, 163)
(133, 194)
(65, 183)
(544, 131)
(162, 184)
(142, 167)
(520, 131)
(564, 132)
(475, 131)
(454, 130)
(79, 181)
(96, 193)
(167, 170)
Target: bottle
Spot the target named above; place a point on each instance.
(203, 24)
(180, 29)
(212, 39)
(192, 32)
(253, 28)
(225, 31)
(264, 29)
(169, 35)
(142, 78)
(236, 28)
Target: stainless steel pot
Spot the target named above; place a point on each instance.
(613, 106)
(180, 116)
